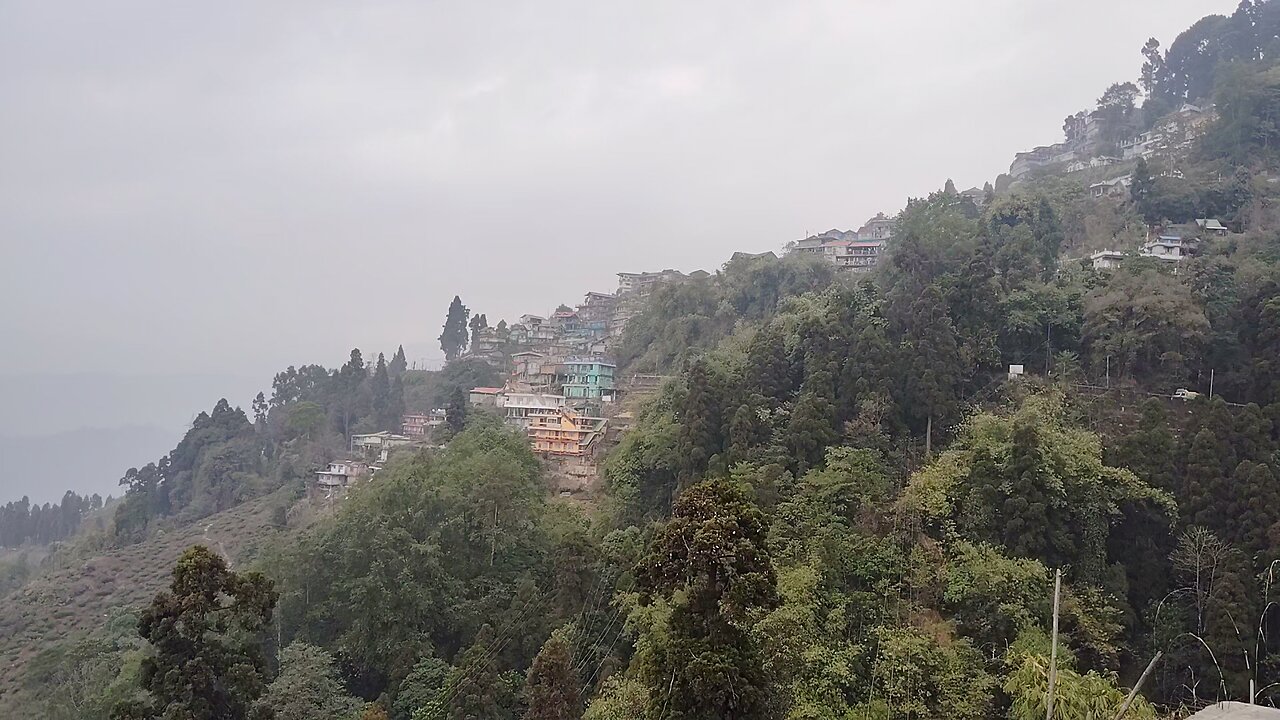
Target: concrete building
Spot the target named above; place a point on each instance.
(878, 228)
(1169, 248)
(378, 444)
(341, 473)
(484, 396)
(1106, 259)
(588, 379)
(1211, 226)
(566, 433)
(416, 425)
(643, 283)
(1116, 187)
(523, 408)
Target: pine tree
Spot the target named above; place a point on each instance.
(456, 411)
(1253, 513)
(1204, 485)
(398, 363)
(933, 365)
(453, 339)
(711, 563)
(1149, 451)
(699, 422)
(1025, 513)
(206, 663)
(552, 688)
(260, 411)
(474, 688)
(1253, 435)
(380, 386)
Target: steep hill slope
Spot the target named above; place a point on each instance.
(65, 603)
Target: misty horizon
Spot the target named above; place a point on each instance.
(180, 197)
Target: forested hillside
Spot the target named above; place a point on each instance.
(840, 504)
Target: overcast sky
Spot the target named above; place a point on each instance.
(232, 187)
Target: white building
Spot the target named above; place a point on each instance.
(1106, 259)
(341, 473)
(522, 408)
(379, 443)
(1166, 247)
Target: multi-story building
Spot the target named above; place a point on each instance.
(878, 228)
(588, 379)
(524, 408)
(341, 473)
(566, 433)
(416, 425)
(1169, 248)
(378, 444)
(859, 256)
(643, 283)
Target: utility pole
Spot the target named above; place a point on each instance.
(1142, 678)
(1108, 372)
(1210, 383)
(1053, 647)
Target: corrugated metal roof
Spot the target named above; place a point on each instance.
(1237, 711)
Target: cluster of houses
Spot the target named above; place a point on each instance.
(1171, 244)
(367, 453)
(560, 389)
(1172, 136)
(853, 250)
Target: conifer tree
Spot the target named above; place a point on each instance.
(453, 339)
(1204, 485)
(398, 363)
(1252, 513)
(380, 386)
(1149, 451)
(260, 410)
(206, 662)
(699, 422)
(712, 564)
(552, 689)
(474, 689)
(1025, 512)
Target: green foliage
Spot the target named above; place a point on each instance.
(993, 598)
(308, 687)
(1034, 485)
(919, 677)
(551, 689)
(710, 562)
(453, 339)
(87, 678)
(1090, 696)
(1147, 322)
(203, 631)
(416, 562)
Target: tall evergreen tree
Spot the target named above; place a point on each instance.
(380, 386)
(1205, 488)
(207, 662)
(1252, 513)
(1149, 451)
(398, 363)
(699, 437)
(456, 411)
(260, 411)
(453, 339)
(552, 689)
(711, 563)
